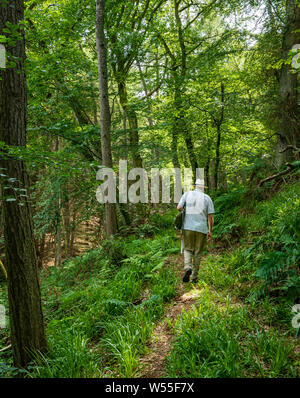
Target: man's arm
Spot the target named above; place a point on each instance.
(210, 225)
(181, 203)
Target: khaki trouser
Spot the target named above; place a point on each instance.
(194, 244)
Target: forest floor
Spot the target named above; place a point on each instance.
(122, 310)
(153, 363)
(204, 330)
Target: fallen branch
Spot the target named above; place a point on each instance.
(290, 168)
(5, 348)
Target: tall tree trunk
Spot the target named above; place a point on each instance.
(124, 120)
(24, 297)
(148, 101)
(58, 216)
(180, 79)
(133, 124)
(289, 127)
(190, 147)
(217, 162)
(212, 175)
(176, 127)
(154, 148)
(207, 166)
(58, 234)
(105, 119)
(219, 125)
(207, 172)
(67, 222)
(73, 231)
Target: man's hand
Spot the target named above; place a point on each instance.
(209, 236)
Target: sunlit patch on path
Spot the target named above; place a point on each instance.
(191, 295)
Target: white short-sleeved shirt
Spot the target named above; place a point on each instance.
(197, 207)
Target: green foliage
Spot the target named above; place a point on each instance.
(126, 339)
(227, 226)
(10, 371)
(88, 299)
(272, 228)
(162, 221)
(146, 230)
(277, 252)
(216, 341)
(70, 356)
(93, 302)
(114, 249)
(100, 315)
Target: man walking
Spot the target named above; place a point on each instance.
(197, 227)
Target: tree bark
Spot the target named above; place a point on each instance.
(133, 124)
(176, 125)
(154, 149)
(105, 118)
(147, 98)
(289, 126)
(67, 222)
(207, 166)
(58, 217)
(219, 125)
(24, 297)
(73, 231)
(180, 124)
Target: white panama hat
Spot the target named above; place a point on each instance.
(200, 183)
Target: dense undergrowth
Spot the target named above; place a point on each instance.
(221, 338)
(242, 323)
(100, 314)
(268, 235)
(101, 307)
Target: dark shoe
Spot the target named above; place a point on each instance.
(195, 280)
(187, 275)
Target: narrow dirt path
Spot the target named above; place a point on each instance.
(153, 363)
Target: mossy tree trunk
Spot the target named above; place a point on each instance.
(24, 298)
(289, 124)
(105, 117)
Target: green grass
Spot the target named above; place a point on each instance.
(241, 325)
(229, 340)
(101, 307)
(70, 356)
(95, 325)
